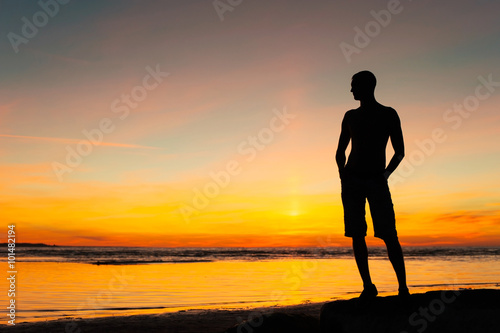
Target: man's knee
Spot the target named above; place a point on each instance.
(358, 239)
(391, 241)
(391, 237)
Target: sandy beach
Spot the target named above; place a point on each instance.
(189, 321)
(434, 311)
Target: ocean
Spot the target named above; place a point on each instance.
(82, 282)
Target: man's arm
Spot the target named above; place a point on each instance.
(396, 135)
(345, 137)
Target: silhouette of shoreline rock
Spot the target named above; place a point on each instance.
(457, 311)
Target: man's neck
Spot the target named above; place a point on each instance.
(368, 103)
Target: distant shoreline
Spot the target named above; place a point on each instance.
(31, 245)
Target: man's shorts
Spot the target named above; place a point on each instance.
(355, 191)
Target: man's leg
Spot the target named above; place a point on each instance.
(361, 256)
(396, 257)
(384, 223)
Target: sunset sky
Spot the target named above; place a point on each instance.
(200, 123)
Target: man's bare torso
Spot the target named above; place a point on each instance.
(369, 130)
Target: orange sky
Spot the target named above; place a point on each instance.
(163, 125)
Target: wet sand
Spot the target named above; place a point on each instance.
(437, 311)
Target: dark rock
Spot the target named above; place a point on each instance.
(460, 311)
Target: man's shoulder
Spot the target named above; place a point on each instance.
(382, 111)
(387, 108)
(392, 117)
(390, 111)
(350, 112)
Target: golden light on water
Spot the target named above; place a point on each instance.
(85, 290)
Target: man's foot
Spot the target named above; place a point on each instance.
(404, 293)
(370, 292)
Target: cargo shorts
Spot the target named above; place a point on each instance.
(355, 192)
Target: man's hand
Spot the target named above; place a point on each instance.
(398, 144)
(345, 137)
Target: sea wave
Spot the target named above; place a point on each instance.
(145, 255)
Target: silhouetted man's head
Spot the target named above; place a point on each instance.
(363, 85)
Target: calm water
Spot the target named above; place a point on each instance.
(61, 282)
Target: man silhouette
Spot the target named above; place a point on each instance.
(365, 175)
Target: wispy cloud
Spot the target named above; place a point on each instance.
(74, 141)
